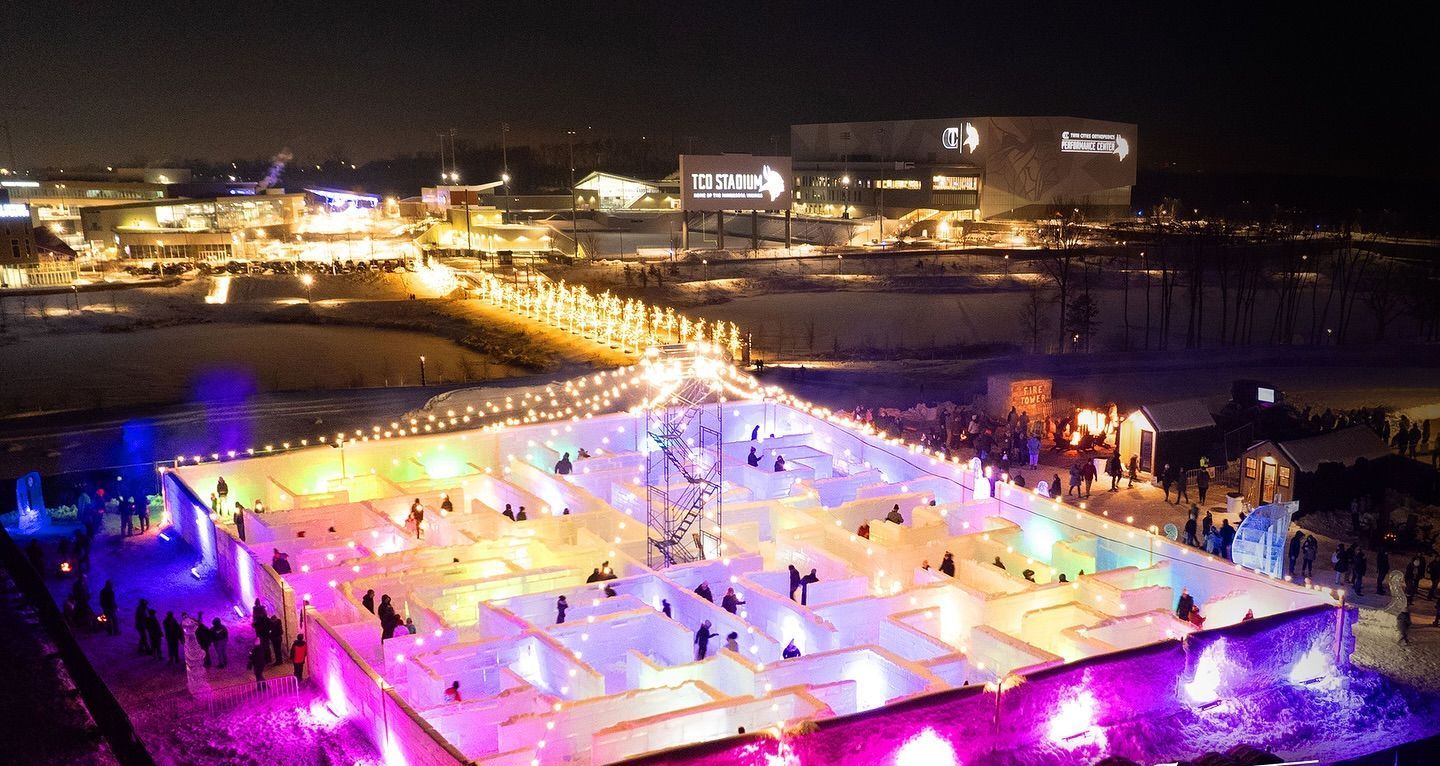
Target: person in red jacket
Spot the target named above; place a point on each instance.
(298, 650)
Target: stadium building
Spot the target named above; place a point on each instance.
(964, 169)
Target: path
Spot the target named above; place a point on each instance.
(175, 727)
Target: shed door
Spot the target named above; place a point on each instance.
(1267, 482)
(1147, 451)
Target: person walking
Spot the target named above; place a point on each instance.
(127, 524)
(702, 640)
(298, 651)
(1295, 543)
(1112, 467)
(1190, 527)
(1134, 471)
(1227, 538)
(561, 605)
(1167, 480)
(1308, 551)
(368, 601)
(142, 510)
(109, 610)
(1202, 483)
(1087, 472)
(257, 664)
(222, 490)
(1182, 486)
(731, 602)
(173, 637)
(947, 564)
(219, 642)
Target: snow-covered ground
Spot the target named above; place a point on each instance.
(176, 728)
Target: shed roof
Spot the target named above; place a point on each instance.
(1184, 415)
(1344, 446)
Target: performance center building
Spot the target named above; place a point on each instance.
(964, 169)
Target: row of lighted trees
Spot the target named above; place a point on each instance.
(627, 324)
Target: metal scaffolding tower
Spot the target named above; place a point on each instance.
(683, 466)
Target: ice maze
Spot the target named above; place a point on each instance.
(619, 677)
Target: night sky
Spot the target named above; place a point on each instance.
(1322, 91)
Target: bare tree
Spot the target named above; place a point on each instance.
(1062, 253)
(1033, 316)
(1083, 317)
(1383, 298)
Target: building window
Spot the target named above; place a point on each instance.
(956, 183)
(911, 184)
(1251, 467)
(1284, 476)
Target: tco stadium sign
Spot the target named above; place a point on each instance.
(713, 182)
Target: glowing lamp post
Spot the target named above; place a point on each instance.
(422, 370)
(309, 281)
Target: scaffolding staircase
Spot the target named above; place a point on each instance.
(683, 472)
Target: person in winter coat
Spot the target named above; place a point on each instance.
(1190, 528)
(794, 581)
(731, 602)
(1357, 577)
(142, 610)
(173, 636)
(257, 663)
(389, 621)
(109, 609)
(1182, 487)
(1295, 544)
(276, 634)
(219, 642)
(1186, 603)
(561, 605)
(368, 601)
(1134, 470)
(1227, 538)
(1113, 470)
(702, 640)
(298, 651)
(947, 564)
(152, 630)
(1167, 480)
(1202, 483)
(1308, 550)
(142, 510)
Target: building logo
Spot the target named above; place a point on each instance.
(771, 183)
(950, 137)
(1094, 143)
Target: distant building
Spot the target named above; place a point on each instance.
(951, 170)
(218, 228)
(611, 191)
(55, 203)
(31, 256)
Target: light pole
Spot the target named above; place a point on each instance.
(308, 281)
(505, 165)
(574, 214)
(422, 370)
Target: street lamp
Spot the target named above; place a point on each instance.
(422, 370)
(308, 281)
(505, 179)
